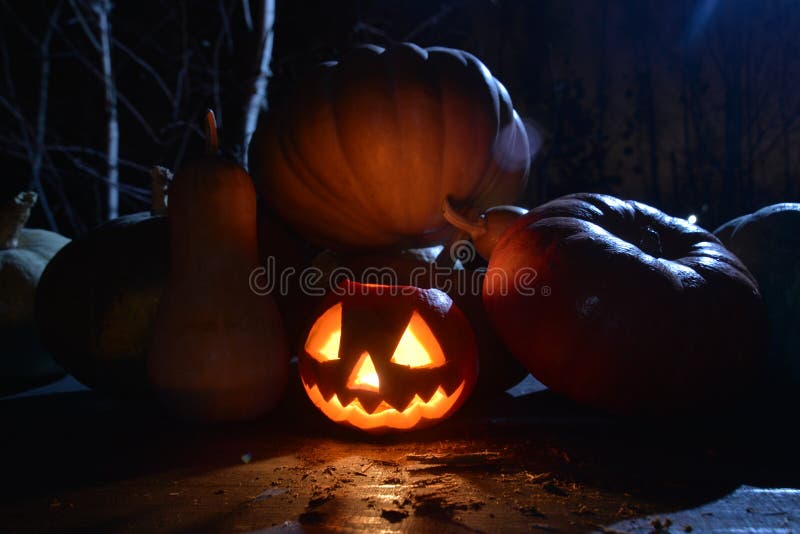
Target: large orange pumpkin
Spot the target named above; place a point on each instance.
(364, 152)
(388, 358)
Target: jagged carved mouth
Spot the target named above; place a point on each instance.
(384, 415)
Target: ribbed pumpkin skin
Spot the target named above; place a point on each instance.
(364, 152)
(768, 243)
(643, 314)
(219, 350)
(97, 300)
(24, 361)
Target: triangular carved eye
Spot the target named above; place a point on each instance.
(418, 347)
(325, 336)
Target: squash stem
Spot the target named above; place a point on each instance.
(13, 217)
(212, 139)
(475, 229)
(650, 242)
(159, 184)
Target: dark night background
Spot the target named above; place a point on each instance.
(689, 105)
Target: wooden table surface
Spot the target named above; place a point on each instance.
(78, 462)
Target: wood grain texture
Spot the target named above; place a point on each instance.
(76, 462)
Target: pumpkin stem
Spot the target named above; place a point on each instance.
(159, 189)
(210, 128)
(13, 217)
(475, 229)
(650, 242)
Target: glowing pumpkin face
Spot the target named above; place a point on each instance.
(384, 359)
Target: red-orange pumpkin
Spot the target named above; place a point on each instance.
(388, 358)
(620, 306)
(365, 151)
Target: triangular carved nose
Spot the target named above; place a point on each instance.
(364, 376)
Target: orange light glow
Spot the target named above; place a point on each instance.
(418, 346)
(326, 335)
(364, 375)
(384, 415)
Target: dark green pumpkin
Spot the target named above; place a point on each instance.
(768, 243)
(97, 301)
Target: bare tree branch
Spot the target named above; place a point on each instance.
(120, 96)
(182, 80)
(41, 117)
(138, 193)
(373, 30)
(248, 16)
(146, 66)
(226, 37)
(11, 108)
(84, 24)
(99, 153)
(26, 32)
(430, 22)
(30, 139)
(256, 101)
(225, 15)
(102, 9)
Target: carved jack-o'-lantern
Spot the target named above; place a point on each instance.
(384, 359)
